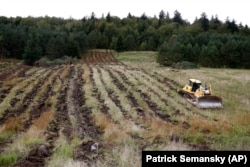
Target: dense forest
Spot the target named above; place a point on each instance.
(208, 42)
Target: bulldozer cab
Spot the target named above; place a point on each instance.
(195, 84)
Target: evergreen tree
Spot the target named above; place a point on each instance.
(129, 16)
(32, 51)
(144, 17)
(93, 39)
(204, 22)
(161, 18)
(92, 17)
(72, 49)
(162, 55)
(215, 22)
(177, 17)
(108, 17)
(162, 15)
(168, 17)
(120, 44)
(56, 47)
(232, 26)
(129, 42)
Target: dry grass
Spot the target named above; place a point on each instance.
(159, 130)
(86, 74)
(22, 145)
(65, 71)
(42, 122)
(175, 146)
(242, 119)
(12, 124)
(124, 155)
(11, 82)
(74, 163)
(127, 155)
(208, 126)
(113, 135)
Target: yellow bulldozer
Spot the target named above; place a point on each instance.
(200, 96)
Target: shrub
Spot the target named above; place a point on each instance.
(45, 62)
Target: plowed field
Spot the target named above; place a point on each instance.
(97, 112)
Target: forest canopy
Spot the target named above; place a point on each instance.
(208, 42)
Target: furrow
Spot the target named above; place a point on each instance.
(27, 99)
(87, 151)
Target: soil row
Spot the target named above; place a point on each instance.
(41, 104)
(112, 94)
(27, 100)
(4, 90)
(38, 155)
(97, 94)
(86, 128)
(8, 74)
(145, 96)
(133, 101)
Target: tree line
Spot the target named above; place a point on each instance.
(207, 49)
(205, 40)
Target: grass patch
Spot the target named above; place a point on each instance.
(185, 65)
(196, 138)
(6, 135)
(8, 159)
(23, 143)
(21, 146)
(136, 56)
(125, 155)
(238, 138)
(62, 154)
(64, 151)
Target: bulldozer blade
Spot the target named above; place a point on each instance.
(209, 102)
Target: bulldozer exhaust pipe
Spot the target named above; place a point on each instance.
(209, 102)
